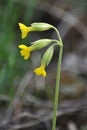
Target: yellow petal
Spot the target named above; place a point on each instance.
(37, 71)
(21, 25)
(22, 46)
(27, 56)
(25, 51)
(40, 71)
(44, 73)
(24, 34)
(24, 30)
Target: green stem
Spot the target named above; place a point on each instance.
(57, 88)
(58, 34)
(57, 80)
(57, 42)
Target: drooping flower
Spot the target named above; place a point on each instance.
(25, 51)
(24, 30)
(34, 27)
(40, 70)
(45, 61)
(37, 45)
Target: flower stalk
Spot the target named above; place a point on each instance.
(57, 79)
(57, 88)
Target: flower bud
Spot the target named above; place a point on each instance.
(40, 26)
(47, 56)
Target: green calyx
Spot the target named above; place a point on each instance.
(47, 56)
(40, 26)
(39, 44)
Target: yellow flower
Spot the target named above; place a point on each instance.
(40, 71)
(45, 61)
(25, 51)
(24, 29)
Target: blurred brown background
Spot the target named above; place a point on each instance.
(26, 101)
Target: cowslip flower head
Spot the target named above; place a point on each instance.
(25, 51)
(40, 71)
(24, 30)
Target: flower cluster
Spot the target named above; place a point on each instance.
(37, 45)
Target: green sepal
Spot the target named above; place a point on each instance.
(47, 56)
(40, 26)
(39, 44)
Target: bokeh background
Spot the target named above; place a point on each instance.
(26, 101)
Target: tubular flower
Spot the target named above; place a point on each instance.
(24, 29)
(34, 27)
(25, 51)
(40, 71)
